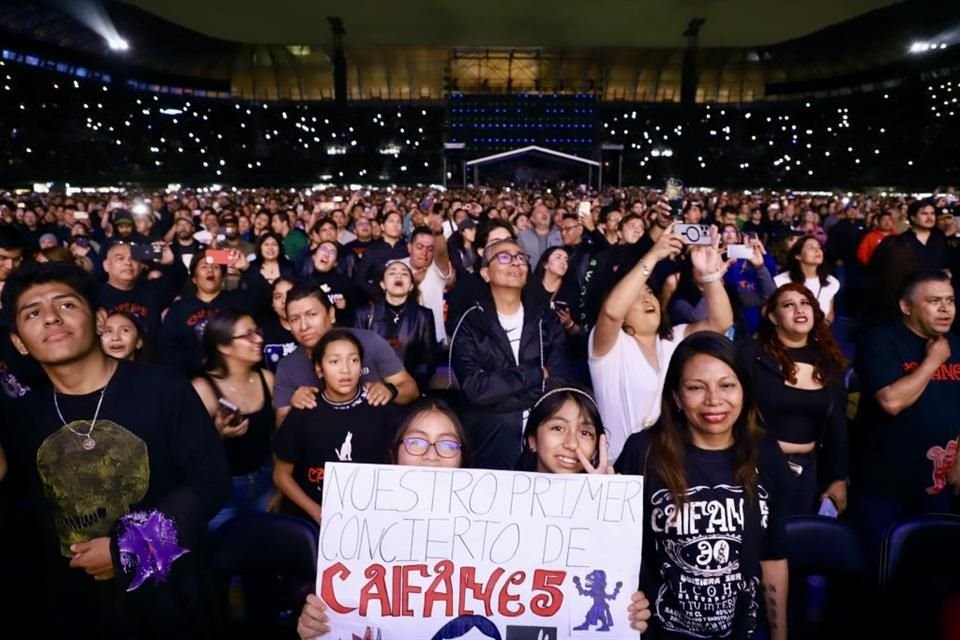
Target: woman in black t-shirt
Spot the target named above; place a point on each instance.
(238, 394)
(798, 368)
(342, 427)
(405, 324)
(714, 529)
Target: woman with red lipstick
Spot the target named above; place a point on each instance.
(798, 370)
(714, 538)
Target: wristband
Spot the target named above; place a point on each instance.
(394, 392)
(713, 277)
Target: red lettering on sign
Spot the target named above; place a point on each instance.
(326, 587)
(500, 593)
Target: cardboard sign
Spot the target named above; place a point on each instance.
(418, 553)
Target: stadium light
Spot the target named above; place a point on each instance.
(118, 44)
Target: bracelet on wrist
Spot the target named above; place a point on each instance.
(713, 277)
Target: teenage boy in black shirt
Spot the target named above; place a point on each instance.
(123, 464)
(906, 436)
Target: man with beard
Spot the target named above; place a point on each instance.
(184, 245)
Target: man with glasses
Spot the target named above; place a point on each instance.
(504, 354)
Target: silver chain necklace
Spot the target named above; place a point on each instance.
(88, 442)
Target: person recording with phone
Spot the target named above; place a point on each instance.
(238, 394)
(750, 276)
(633, 340)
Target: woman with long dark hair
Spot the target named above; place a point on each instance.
(806, 265)
(713, 489)
(270, 265)
(798, 369)
(565, 434)
(549, 288)
(238, 394)
(405, 324)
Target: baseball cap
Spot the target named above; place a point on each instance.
(228, 218)
(468, 223)
(122, 216)
(186, 217)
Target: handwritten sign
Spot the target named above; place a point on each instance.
(417, 553)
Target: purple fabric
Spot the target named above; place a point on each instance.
(148, 546)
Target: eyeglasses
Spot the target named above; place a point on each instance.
(251, 335)
(444, 448)
(505, 257)
(327, 251)
(569, 228)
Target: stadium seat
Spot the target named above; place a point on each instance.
(270, 561)
(828, 574)
(919, 570)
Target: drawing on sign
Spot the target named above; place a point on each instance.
(596, 588)
(462, 625)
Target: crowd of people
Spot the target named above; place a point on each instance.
(171, 360)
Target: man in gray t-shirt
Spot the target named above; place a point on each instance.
(310, 315)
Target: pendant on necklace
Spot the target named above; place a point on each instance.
(648, 422)
(88, 443)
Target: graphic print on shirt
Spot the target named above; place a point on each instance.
(89, 490)
(345, 452)
(703, 579)
(943, 459)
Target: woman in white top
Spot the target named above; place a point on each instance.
(806, 266)
(632, 342)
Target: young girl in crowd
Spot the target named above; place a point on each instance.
(713, 501)
(278, 341)
(121, 337)
(342, 427)
(238, 395)
(565, 434)
(797, 368)
(432, 436)
(404, 323)
(806, 266)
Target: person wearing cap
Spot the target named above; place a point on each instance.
(124, 227)
(231, 232)
(181, 239)
(48, 241)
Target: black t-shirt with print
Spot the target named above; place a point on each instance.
(351, 431)
(155, 449)
(701, 570)
(911, 453)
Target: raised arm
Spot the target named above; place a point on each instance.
(613, 313)
(709, 268)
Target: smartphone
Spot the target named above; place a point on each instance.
(218, 256)
(739, 252)
(146, 252)
(828, 508)
(674, 194)
(560, 305)
(583, 210)
(232, 411)
(695, 234)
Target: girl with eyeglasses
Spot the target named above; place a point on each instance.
(342, 427)
(238, 394)
(431, 436)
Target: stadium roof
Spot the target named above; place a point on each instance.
(424, 50)
(509, 23)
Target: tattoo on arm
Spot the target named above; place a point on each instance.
(770, 600)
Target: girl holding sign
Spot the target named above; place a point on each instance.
(565, 434)
(714, 540)
(429, 436)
